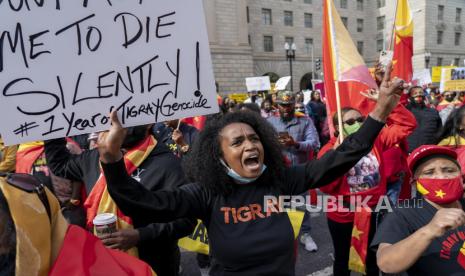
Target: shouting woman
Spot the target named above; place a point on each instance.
(235, 163)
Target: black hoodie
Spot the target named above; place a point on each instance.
(161, 170)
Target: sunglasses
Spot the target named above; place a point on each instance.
(353, 121)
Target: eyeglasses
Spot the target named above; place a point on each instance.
(353, 121)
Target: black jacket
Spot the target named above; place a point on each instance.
(245, 236)
(428, 126)
(160, 171)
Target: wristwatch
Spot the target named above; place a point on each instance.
(185, 148)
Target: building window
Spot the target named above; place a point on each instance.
(250, 40)
(308, 45)
(307, 1)
(359, 25)
(308, 20)
(439, 38)
(268, 43)
(360, 5)
(379, 45)
(289, 40)
(458, 15)
(439, 61)
(287, 0)
(380, 23)
(360, 47)
(345, 22)
(343, 4)
(381, 3)
(266, 17)
(440, 12)
(248, 15)
(288, 18)
(458, 36)
(456, 61)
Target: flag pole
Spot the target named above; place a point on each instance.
(339, 112)
(393, 32)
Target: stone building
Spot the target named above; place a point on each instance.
(247, 37)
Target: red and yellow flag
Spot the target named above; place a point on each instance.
(27, 154)
(342, 65)
(99, 200)
(84, 254)
(403, 42)
(359, 241)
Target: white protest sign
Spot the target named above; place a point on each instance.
(64, 65)
(282, 83)
(422, 77)
(258, 83)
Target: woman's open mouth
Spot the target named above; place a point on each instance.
(252, 162)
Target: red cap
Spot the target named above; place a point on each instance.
(428, 150)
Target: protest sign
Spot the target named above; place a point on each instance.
(453, 79)
(422, 77)
(64, 65)
(258, 83)
(282, 83)
(436, 72)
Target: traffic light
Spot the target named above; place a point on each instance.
(317, 64)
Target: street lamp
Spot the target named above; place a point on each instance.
(427, 59)
(290, 55)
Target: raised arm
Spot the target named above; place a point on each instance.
(147, 207)
(335, 163)
(63, 163)
(134, 199)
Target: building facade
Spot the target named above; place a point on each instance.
(247, 37)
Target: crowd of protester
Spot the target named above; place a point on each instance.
(161, 179)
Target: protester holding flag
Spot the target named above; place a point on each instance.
(153, 165)
(427, 238)
(7, 157)
(235, 163)
(345, 226)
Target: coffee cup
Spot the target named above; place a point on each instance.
(104, 224)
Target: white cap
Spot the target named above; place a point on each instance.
(104, 219)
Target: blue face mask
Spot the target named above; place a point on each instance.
(239, 179)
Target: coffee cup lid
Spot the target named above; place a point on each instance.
(104, 219)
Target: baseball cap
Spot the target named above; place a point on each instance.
(426, 152)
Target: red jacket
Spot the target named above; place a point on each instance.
(399, 125)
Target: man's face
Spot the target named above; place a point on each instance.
(286, 111)
(416, 92)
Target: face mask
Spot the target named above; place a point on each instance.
(351, 129)
(441, 191)
(428, 90)
(449, 98)
(420, 100)
(134, 136)
(239, 179)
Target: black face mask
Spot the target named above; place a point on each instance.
(449, 98)
(417, 101)
(134, 136)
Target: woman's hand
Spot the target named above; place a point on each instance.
(388, 96)
(109, 142)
